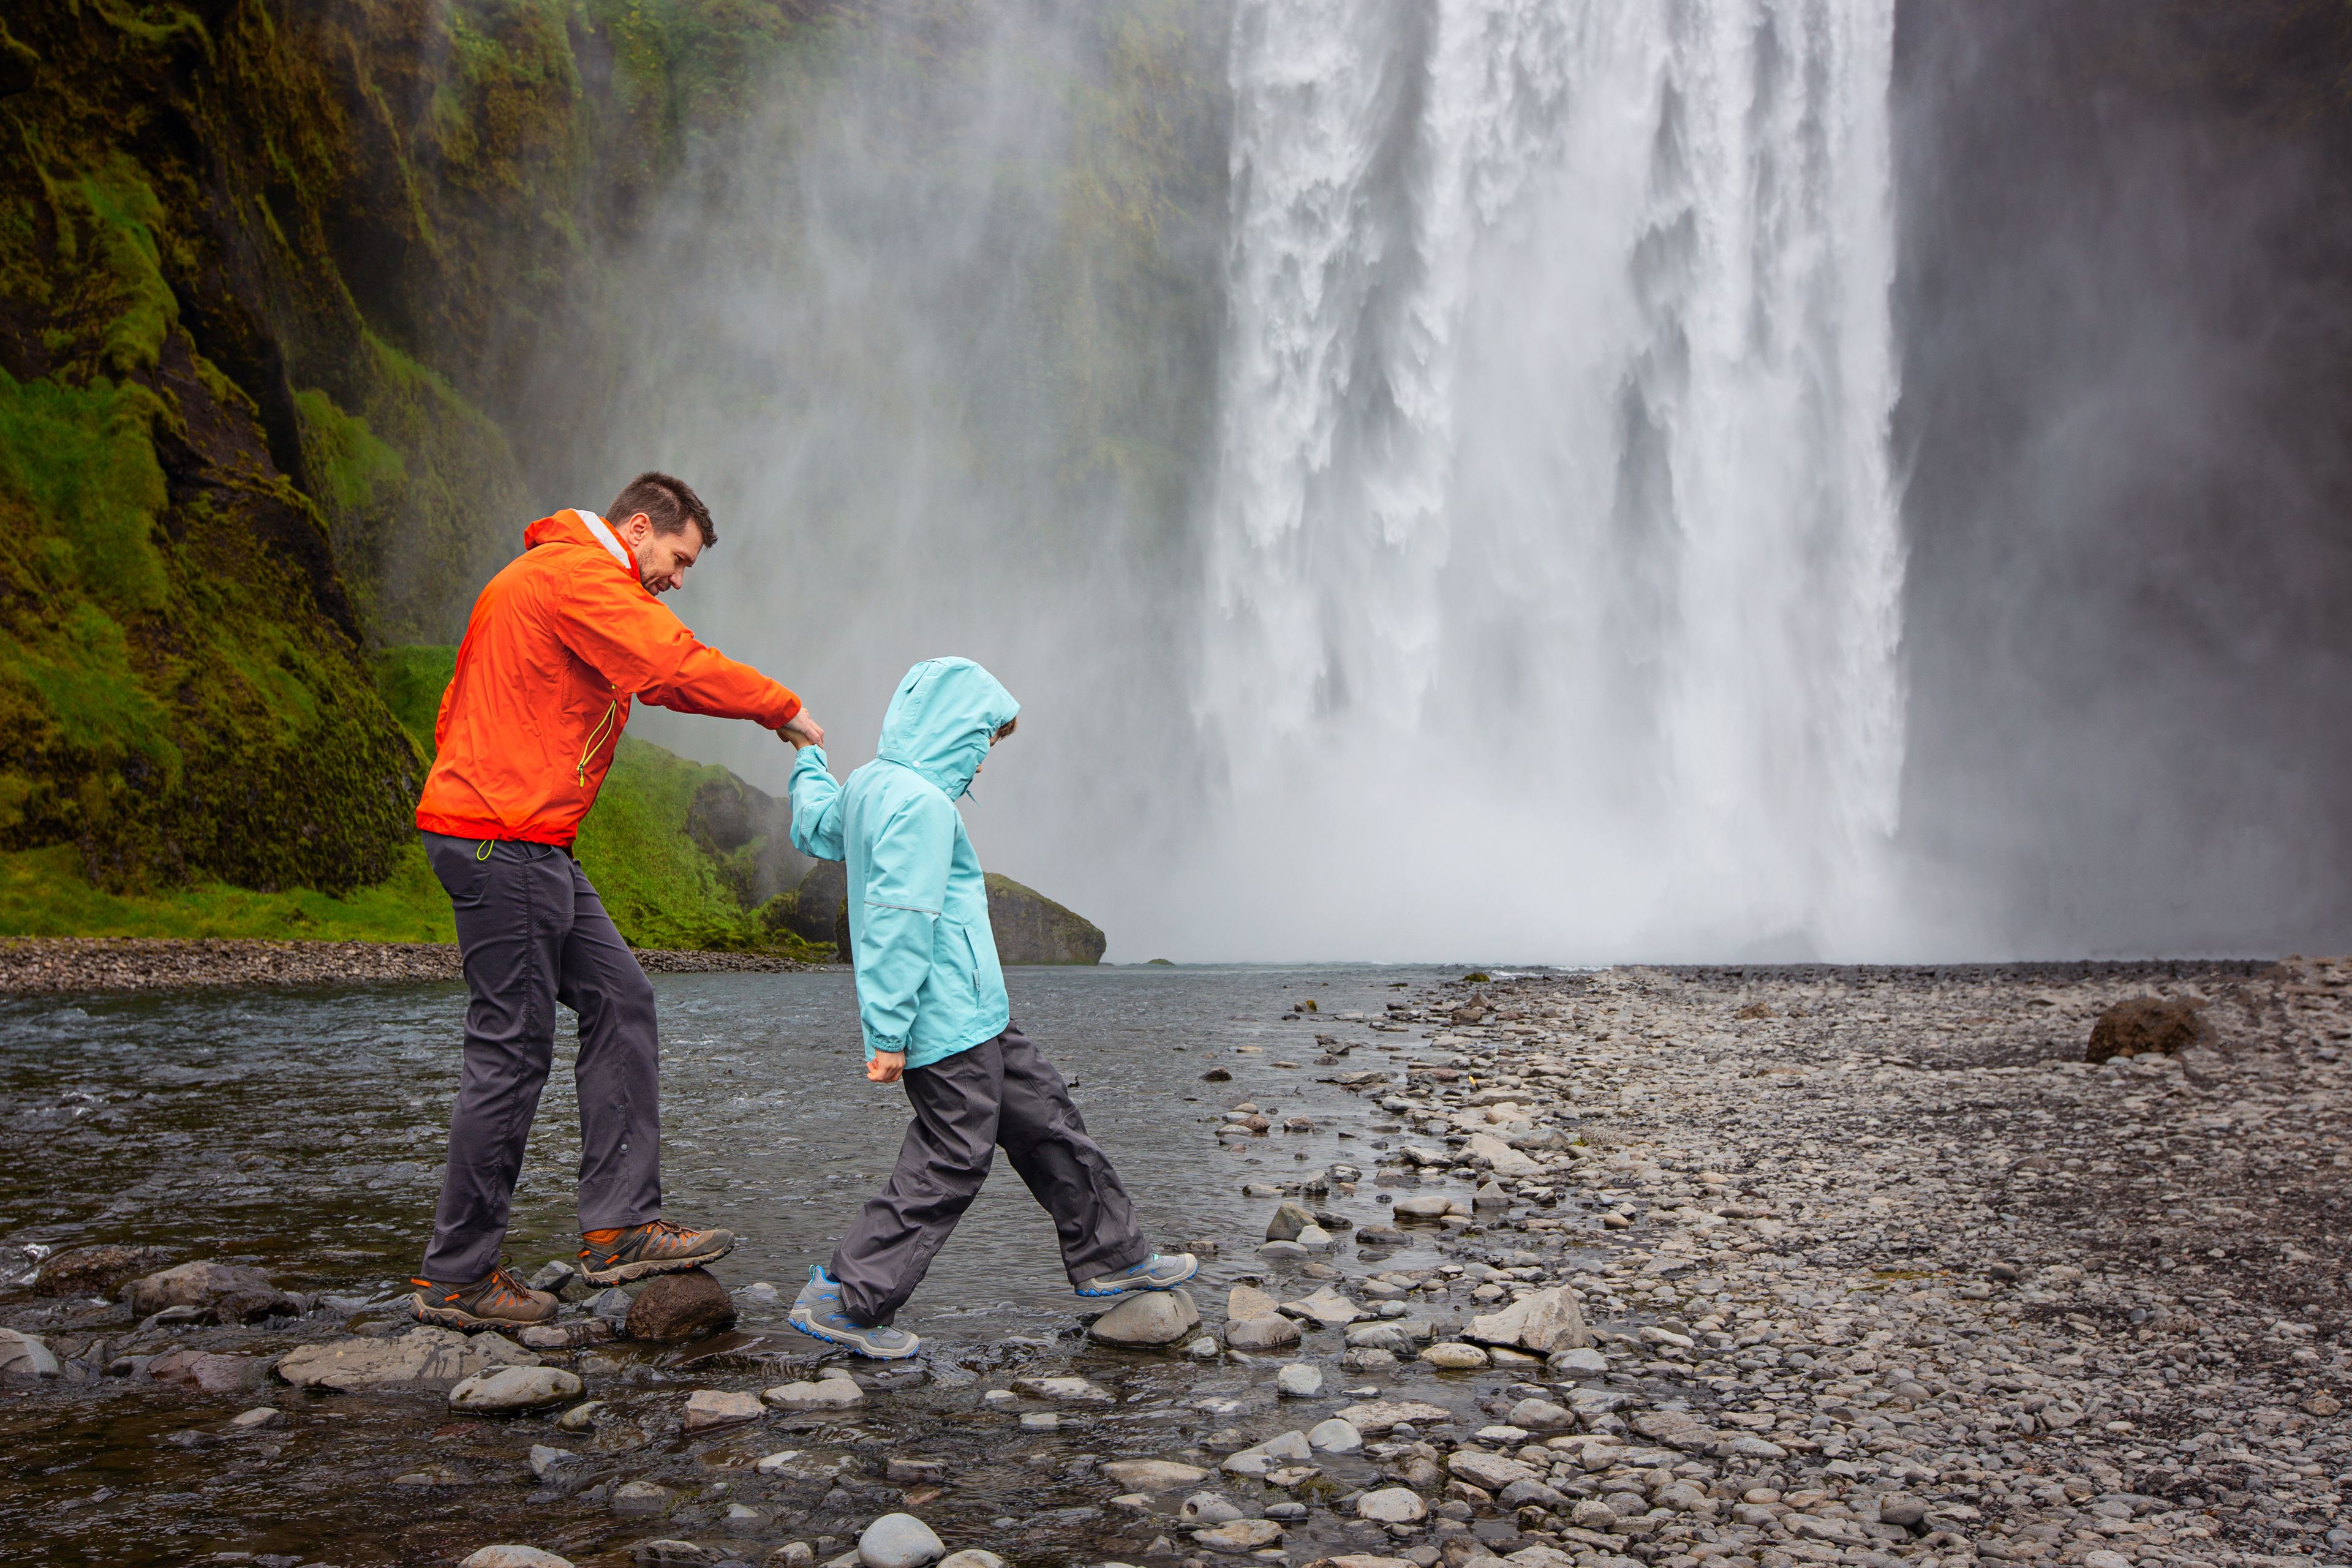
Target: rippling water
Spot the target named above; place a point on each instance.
(302, 1132)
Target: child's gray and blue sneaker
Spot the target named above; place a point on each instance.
(817, 1313)
(1154, 1273)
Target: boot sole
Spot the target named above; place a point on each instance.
(645, 1268)
(1137, 1288)
(465, 1322)
(914, 1345)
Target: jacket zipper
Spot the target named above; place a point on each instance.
(595, 739)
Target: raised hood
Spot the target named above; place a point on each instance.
(941, 720)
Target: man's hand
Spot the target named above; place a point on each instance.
(888, 1067)
(803, 730)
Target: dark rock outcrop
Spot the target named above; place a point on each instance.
(2142, 1023)
(1032, 929)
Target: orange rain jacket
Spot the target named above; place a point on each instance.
(558, 644)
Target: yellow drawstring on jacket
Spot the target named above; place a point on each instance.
(595, 739)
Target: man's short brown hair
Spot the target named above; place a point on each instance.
(667, 502)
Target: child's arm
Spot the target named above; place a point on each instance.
(905, 888)
(816, 807)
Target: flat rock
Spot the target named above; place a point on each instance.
(1154, 1475)
(1241, 1535)
(1245, 1301)
(826, 1394)
(1262, 1334)
(1424, 1205)
(1507, 1160)
(1451, 1356)
(513, 1388)
(1583, 1361)
(971, 1557)
(640, 1500)
(25, 1355)
(1368, 1560)
(1541, 1322)
(1492, 1471)
(228, 1292)
(207, 1372)
(423, 1357)
(1070, 1390)
(1335, 1435)
(1269, 1456)
(95, 1270)
(708, 1407)
(899, 1541)
(578, 1334)
(1376, 1416)
(514, 1557)
(1150, 1318)
(1392, 1505)
(675, 1308)
(1298, 1380)
(1327, 1307)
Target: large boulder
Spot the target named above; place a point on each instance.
(818, 909)
(1032, 929)
(230, 1293)
(675, 1308)
(2139, 1024)
(423, 1357)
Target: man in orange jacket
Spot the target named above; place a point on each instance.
(559, 643)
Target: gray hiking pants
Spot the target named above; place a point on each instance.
(998, 1094)
(533, 933)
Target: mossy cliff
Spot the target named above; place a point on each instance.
(263, 265)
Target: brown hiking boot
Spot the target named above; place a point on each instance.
(613, 1256)
(496, 1300)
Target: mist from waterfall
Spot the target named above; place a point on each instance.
(1554, 557)
(1524, 584)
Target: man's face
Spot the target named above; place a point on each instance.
(662, 558)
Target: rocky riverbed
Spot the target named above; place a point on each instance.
(1662, 1267)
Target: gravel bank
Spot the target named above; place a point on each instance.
(47, 965)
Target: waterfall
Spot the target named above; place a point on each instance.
(1553, 568)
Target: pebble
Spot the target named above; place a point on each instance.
(832, 1392)
(1154, 1475)
(260, 1416)
(708, 1407)
(899, 1541)
(1150, 1317)
(1335, 1436)
(971, 1557)
(637, 1499)
(1070, 1389)
(580, 1418)
(545, 1461)
(513, 1557)
(1298, 1380)
(1208, 1508)
(1392, 1505)
(1040, 1421)
(1240, 1535)
(514, 1388)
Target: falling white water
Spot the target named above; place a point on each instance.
(1554, 569)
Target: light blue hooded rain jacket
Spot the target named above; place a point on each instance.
(928, 980)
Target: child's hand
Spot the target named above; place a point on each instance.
(888, 1067)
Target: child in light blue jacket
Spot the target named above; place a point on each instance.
(932, 1007)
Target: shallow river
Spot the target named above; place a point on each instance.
(302, 1133)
